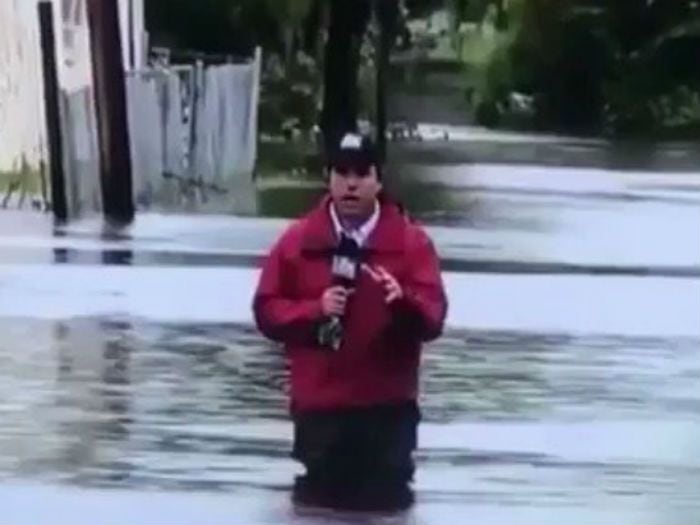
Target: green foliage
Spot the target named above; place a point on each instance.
(495, 69)
(290, 95)
(679, 108)
(210, 26)
(289, 16)
(618, 67)
(588, 66)
(291, 79)
(225, 26)
(288, 11)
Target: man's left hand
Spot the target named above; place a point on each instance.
(392, 288)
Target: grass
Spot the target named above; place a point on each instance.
(287, 202)
(20, 187)
(299, 156)
(29, 181)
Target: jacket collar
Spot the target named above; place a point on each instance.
(362, 232)
(319, 232)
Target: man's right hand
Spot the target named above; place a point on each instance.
(334, 301)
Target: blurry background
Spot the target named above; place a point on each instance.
(551, 149)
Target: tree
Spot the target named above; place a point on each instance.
(656, 46)
(591, 64)
(347, 24)
(283, 26)
(290, 16)
(212, 26)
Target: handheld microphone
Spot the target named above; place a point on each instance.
(345, 262)
(344, 270)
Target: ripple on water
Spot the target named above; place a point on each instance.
(508, 417)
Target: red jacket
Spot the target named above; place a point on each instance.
(379, 359)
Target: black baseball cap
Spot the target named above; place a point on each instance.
(353, 152)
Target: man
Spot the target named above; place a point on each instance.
(354, 403)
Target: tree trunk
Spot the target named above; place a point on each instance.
(347, 24)
(387, 13)
(501, 16)
(288, 47)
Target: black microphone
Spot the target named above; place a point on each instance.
(344, 271)
(345, 262)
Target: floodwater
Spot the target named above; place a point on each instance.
(513, 422)
(135, 389)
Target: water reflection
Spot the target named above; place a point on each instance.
(126, 403)
(61, 255)
(93, 390)
(116, 256)
(121, 257)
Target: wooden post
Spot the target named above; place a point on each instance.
(52, 112)
(111, 109)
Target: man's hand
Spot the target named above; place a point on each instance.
(334, 301)
(392, 288)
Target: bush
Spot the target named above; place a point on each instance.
(289, 98)
(488, 114)
(600, 69)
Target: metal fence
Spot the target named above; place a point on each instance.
(193, 129)
(194, 135)
(193, 139)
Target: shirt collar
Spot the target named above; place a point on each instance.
(361, 233)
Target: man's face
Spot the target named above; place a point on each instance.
(354, 191)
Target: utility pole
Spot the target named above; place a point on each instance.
(111, 109)
(52, 112)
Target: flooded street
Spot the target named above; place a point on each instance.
(134, 388)
(516, 425)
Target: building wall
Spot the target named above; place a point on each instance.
(21, 96)
(21, 101)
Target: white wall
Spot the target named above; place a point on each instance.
(21, 100)
(21, 91)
